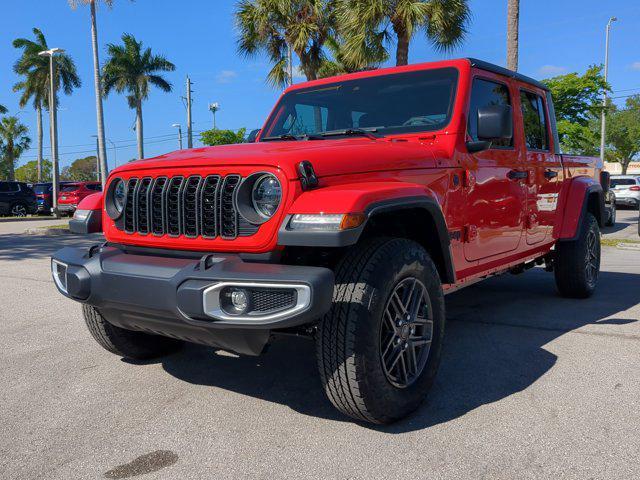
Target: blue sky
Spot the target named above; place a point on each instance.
(198, 36)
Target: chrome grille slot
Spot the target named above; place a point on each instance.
(142, 205)
(158, 206)
(226, 209)
(209, 213)
(190, 207)
(129, 216)
(173, 206)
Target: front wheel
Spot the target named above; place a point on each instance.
(379, 346)
(611, 219)
(577, 263)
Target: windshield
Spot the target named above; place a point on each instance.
(396, 103)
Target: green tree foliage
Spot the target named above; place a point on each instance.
(14, 141)
(81, 170)
(338, 63)
(268, 26)
(132, 70)
(3, 110)
(369, 24)
(222, 137)
(623, 132)
(35, 72)
(29, 172)
(578, 104)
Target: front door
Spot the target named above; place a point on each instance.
(494, 186)
(545, 168)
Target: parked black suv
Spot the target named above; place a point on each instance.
(17, 199)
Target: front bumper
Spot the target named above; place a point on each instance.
(177, 297)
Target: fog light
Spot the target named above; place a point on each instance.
(59, 272)
(234, 301)
(239, 299)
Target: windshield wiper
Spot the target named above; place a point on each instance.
(284, 136)
(365, 132)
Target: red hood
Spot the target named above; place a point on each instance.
(329, 157)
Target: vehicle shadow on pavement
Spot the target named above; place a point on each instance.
(494, 348)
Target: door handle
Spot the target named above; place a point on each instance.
(550, 174)
(517, 175)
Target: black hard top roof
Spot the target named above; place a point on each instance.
(490, 67)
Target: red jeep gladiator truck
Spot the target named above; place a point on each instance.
(363, 201)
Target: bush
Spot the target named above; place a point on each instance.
(222, 137)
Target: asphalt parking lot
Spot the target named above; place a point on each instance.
(531, 386)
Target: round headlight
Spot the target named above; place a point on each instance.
(266, 195)
(116, 198)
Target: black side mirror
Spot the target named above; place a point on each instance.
(253, 135)
(495, 122)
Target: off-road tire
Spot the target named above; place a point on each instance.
(611, 219)
(126, 343)
(348, 345)
(571, 262)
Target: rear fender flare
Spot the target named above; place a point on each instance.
(582, 195)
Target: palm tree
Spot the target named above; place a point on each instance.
(35, 85)
(13, 142)
(102, 151)
(339, 64)
(3, 110)
(513, 25)
(364, 21)
(130, 69)
(271, 26)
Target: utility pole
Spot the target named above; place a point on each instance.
(179, 127)
(603, 132)
(189, 124)
(53, 119)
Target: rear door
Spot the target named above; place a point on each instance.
(495, 197)
(8, 194)
(544, 167)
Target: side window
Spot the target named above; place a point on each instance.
(9, 187)
(486, 93)
(535, 121)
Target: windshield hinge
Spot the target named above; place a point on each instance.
(308, 178)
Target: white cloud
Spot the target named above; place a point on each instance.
(552, 70)
(635, 66)
(226, 76)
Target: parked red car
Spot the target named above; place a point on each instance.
(72, 193)
(365, 199)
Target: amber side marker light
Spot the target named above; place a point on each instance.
(326, 222)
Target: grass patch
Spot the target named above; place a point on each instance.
(58, 227)
(612, 242)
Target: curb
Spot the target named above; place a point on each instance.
(49, 232)
(628, 246)
(38, 218)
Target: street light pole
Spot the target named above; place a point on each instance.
(179, 127)
(53, 119)
(603, 132)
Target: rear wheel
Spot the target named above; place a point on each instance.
(126, 343)
(379, 346)
(577, 263)
(19, 210)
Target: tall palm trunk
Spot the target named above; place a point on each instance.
(102, 152)
(402, 50)
(139, 129)
(513, 25)
(40, 136)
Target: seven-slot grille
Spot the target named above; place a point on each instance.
(192, 206)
